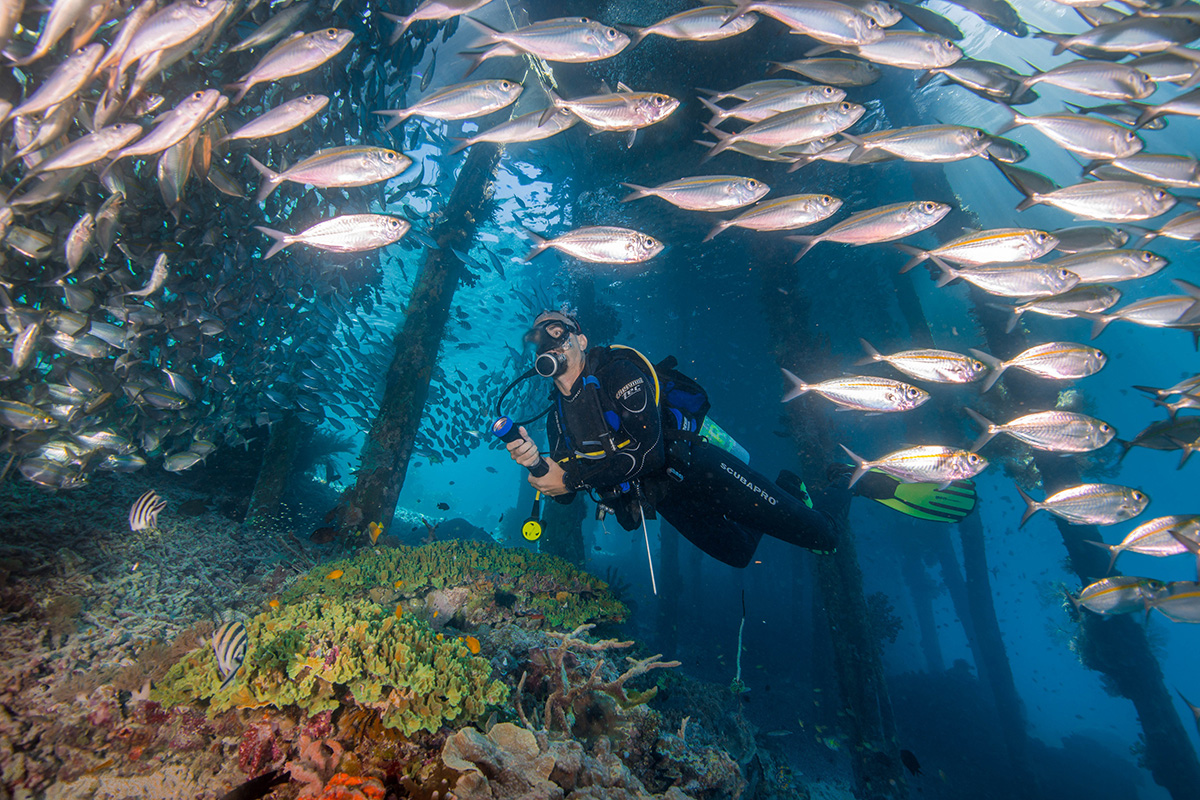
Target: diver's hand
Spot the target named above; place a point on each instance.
(551, 484)
(523, 450)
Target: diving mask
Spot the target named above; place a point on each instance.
(551, 336)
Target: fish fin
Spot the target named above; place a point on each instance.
(918, 255)
(271, 179)
(402, 24)
(799, 387)
(1171, 408)
(1031, 507)
(718, 113)
(722, 144)
(1014, 315)
(775, 66)
(1191, 82)
(743, 7)
(873, 355)
(1146, 233)
(281, 240)
(1099, 321)
(629, 140)
(860, 466)
(801, 161)
(990, 429)
(1030, 201)
(1193, 291)
(995, 366)
(720, 226)
(489, 33)
(463, 144)
(634, 33)
(821, 50)
(1057, 38)
(806, 243)
(395, 117)
(948, 273)
(552, 109)
(539, 244)
(638, 193)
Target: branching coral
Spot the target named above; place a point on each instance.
(569, 696)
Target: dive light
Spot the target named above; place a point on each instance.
(504, 429)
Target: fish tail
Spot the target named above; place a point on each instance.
(552, 109)
(271, 179)
(1192, 291)
(995, 365)
(949, 274)
(282, 239)
(990, 429)
(718, 113)
(1171, 408)
(720, 226)
(1058, 39)
(1031, 507)
(799, 387)
(1099, 321)
(638, 193)
(1114, 550)
(490, 34)
(395, 117)
(723, 141)
(1147, 234)
(1013, 313)
(1191, 82)
(918, 255)
(539, 244)
(743, 7)
(821, 50)
(807, 242)
(1031, 200)
(402, 24)
(775, 66)
(859, 154)
(860, 466)
(800, 161)
(635, 34)
(873, 355)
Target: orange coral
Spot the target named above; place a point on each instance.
(351, 787)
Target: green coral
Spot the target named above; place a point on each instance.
(314, 653)
(538, 583)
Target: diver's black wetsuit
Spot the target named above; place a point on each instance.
(713, 498)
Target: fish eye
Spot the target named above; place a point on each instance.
(1160, 194)
(1064, 274)
(1099, 355)
(611, 33)
(1138, 496)
(973, 458)
(976, 364)
(1042, 237)
(927, 206)
(826, 199)
(1104, 427)
(389, 155)
(912, 392)
(648, 241)
(871, 23)
(308, 98)
(753, 184)
(331, 32)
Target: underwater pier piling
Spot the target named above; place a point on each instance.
(389, 444)
(875, 754)
(277, 461)
(1117, 648)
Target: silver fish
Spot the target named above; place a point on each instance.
(703, 193)
(348, 233)
(1106, 201)
(1120, 594)
(460, 101)
(143, 514)
(432, 10)
(173, 126)
(1176, 172)
(1185, 227)
(1053, 431)
(1082, 300)
(1112, 266)
(570, 40)
(173, 25)
(600, 244)
(1025, 279)
(834, 71)
(994, 246)
(89, 149)
(1091, 138)
(935, 366)
(748, 91)
(1153, 538)
(353, 165)
(782, 214)
(24, 417)
(1089, 504)
(1054, 360)
(70, 76)
(927, 144)
(861, 393)
(1164, 311)
(79, 242)
(922, 464)
(883, 224)
(830, 22)
(295, 55)
(1097, 79)
(281, 119)
(1085, 238)
(525, 128)
(63, 15)
(768, 105)
(1130, 35)
(275, 27)
(1180, 603)
(623, 110)
(158, 278)
(904, 49)
(703, 24)
(1185, 105)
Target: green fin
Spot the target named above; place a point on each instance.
(927, 501)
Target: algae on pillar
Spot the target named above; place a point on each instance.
(389, 444)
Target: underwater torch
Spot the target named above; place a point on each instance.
(507, 432)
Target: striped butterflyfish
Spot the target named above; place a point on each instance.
(144, 512)
(229, 645)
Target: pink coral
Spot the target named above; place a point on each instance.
(259, 748)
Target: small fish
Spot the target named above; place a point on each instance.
(782, 214)
(280, 119)
(336, 167)
(1180, 602)
(883, 224)
(460, 101)
(229, 645)
(1111, 266)
(333, 576)
(373, 531)
(1106, 201)
(1054, 360)
(443, 506)
(861, 393)
(600, 244)
(1053, 431)
(1000, 245)
(1089, 504)
(703, 193)
(834, 71)
(1121, 594)
(910, 762)
(1024, 279)
(472, 644)
(1158, 537)
(922, 464)
(348, 233)
(143, 514)
(935, 366)
(295, 55)
(24, 417)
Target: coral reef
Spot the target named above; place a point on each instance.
(470, 582)
(320, 653)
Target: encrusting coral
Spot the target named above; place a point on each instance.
(321, 653)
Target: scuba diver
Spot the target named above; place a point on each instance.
(636, 435)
